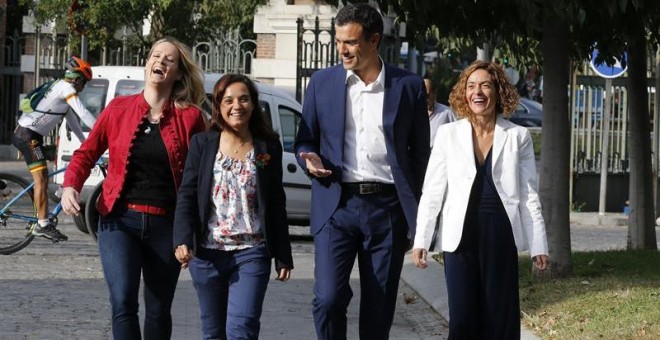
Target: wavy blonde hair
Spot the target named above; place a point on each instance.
(507, 96)
(189, 90)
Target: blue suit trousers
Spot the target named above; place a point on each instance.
(373, 229)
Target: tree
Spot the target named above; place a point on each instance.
(616, 27)
(188, 21)
(555, 143)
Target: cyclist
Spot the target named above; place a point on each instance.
(33, 126)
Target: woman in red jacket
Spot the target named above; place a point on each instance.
(147, 136)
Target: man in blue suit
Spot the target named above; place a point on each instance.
(364, 140)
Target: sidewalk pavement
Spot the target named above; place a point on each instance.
(429, 284)
(601, 232)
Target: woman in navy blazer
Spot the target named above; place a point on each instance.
(230, 217)
(481, 178)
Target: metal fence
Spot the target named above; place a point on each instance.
(588, 106)
(316, 49)
(229, 53)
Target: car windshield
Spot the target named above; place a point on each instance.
(94, 95)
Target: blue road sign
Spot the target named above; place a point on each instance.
(605, 70)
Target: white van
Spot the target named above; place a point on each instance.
(283, 112)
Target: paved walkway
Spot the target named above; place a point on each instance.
(86, 298)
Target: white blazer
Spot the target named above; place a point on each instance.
(451, 172)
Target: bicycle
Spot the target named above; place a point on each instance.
(18, 214)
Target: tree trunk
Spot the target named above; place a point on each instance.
(641, 222)
(555, 145)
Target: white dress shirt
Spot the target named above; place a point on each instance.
(365, 154)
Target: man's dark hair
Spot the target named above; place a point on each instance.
(365, 15)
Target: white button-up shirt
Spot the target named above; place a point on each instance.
(365, 154)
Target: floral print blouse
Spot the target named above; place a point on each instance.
(233, 223)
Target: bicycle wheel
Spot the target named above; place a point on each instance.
(15, 232)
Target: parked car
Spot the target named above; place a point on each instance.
(529, 113)
(282, 111)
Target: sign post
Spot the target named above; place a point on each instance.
(608, 72)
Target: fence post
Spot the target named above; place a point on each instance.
(299, 47)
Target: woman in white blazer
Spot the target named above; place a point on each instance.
(481, 178)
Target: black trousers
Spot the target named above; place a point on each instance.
(482, 280)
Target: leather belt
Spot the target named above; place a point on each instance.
(368, 188)
(147, 209)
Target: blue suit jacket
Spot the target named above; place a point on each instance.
(193, 198)
(406, 129)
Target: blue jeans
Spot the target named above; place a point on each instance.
(231, 286)
(133, 243)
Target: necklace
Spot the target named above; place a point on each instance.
(155, 120)
(154, 116)
(239, 146)
(152, 120)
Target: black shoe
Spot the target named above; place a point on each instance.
(49, 232)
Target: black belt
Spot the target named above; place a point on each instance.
(368, 188)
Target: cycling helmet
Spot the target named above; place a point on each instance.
(77, 66)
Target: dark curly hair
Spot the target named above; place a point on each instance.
(363, 14)
(507, 96)
(257, 124)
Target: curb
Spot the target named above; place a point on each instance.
(594, 218)
(429, 284)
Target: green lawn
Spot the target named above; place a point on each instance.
(613, 295)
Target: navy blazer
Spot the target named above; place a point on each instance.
(406, 129)
(193, 208)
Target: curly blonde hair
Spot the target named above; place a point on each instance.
(507, 96)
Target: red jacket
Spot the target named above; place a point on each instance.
(115, 131)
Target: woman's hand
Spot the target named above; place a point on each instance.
(419, 257)
(183, 255)
(541, 262)
(283, 275)
(70, 201)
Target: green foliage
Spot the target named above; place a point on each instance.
(105, 21)
(515, 26)
(578, 206)
(443, 77)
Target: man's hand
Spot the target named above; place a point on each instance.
(314, 164)
(70, 201)
(419, 257)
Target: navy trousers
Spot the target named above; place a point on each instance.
(231, 287)
(482, 280)
(373, 228)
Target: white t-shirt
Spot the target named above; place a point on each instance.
(52, 108)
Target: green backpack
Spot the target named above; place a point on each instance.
(32, 99)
